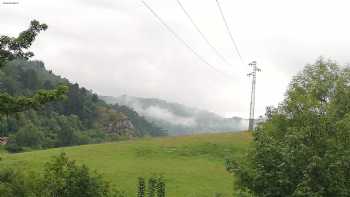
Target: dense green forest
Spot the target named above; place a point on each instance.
(81, 118)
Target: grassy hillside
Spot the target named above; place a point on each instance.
(192, 165)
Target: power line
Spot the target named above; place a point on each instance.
(182, 40)
(202, 34)
(229, 31)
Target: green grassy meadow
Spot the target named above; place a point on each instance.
(193, 166)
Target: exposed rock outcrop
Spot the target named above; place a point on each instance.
(3, 140)
(121, 127)
(116, 123)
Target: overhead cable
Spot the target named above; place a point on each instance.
(183, 41)
(229, 31)
(202, 34)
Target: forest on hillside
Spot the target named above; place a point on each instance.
(80, 118)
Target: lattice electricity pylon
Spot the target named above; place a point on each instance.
(252, 96)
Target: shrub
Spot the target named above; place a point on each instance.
(28, 136)
(61, 177)
(156, 187)
(15, 184)
(141, 189)
(65, 178)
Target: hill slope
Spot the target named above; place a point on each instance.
(81, 118)
(192, 165)
(177, 118)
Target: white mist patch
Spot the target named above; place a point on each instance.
(243, 124)
(178, 119)
(164, 115)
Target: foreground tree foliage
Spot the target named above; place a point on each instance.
(303, 148)
(17, 48)
(61, 177)
(10, 104)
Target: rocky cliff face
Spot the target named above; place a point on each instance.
(3, 140)
(115, 123)
(121, 127)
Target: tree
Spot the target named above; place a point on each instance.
(303, 147)
(30, 79)
(68, 133)
(63, 177)
(10, 104)
(14, 183)
(17, 48)
(28, 136)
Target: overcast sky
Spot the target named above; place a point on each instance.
(117, 47)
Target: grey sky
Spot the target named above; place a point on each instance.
(117, 47)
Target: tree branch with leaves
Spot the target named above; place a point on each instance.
(12, 48)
